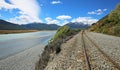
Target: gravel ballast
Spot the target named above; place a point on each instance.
(97, 60)
(107, 43)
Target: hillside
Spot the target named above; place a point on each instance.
(110, 24)
(75, 25)
(4, 25)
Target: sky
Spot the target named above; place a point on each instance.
(57, 12)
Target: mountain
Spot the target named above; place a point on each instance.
(110, 24)
(4, 25)
(41, 26)
(75, 25)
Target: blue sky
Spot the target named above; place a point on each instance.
(55, 11)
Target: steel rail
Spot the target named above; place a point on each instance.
(85, 53)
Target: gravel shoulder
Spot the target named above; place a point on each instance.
(97, 60)
(22, 61)
(107, 43)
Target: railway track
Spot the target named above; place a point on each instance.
(87, 58)
(85, 53)
(82, 53)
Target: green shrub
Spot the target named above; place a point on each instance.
(63, 32)
(117, 30)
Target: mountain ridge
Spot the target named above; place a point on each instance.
(75, 25)
(5, 25)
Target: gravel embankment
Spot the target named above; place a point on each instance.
(71, 56)
(97, 60)
(22, 61)
(107, 43)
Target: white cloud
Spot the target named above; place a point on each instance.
(104, 9)
(22, 19)
(61, 22)
(28, 9)
(56, 2)
(64, 17)
(85, 20)
(4, 5)
(55, 21)
(51, 21)
(97, 12)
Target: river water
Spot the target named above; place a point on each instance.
(14, 43)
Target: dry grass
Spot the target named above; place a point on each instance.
(15, 31)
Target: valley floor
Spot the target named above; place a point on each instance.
(72, 55)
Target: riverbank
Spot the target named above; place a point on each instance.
(22, 61)
(16, 31)
(53, 48)
(22, 50)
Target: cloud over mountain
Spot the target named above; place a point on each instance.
(51, 21)
(25, 8)
(85, 20)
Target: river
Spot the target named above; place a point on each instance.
(11, 44)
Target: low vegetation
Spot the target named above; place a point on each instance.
(110, 24)
(63, 34)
